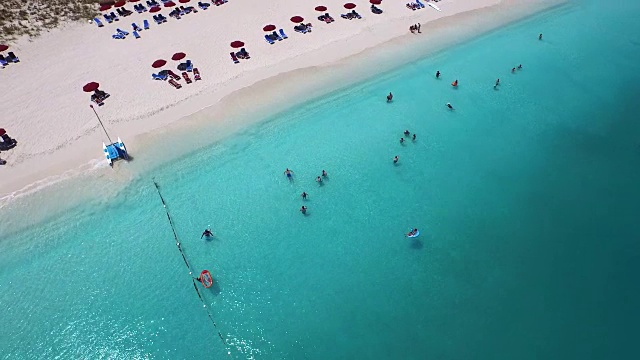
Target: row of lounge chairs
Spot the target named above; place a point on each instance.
(181, 11)
(121, 34)
(351, 15)
(242, 54)
(274, 36)
(174, 78)
(123, 12)
(303, 28)
(159, 19)
(11, 58)
(326, 18)
(415, 6)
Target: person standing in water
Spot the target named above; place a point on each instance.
(438, 74)
(303, 209)
(414, 137)
(319, 180)
(395, 159)
(540, 36)
(497, 82)
(449, 106)
(206, 233)
(520, 67)
(406, 133)
(324, 174)
(401, 140)
(289, 173)
(304, 195)
(389, 97)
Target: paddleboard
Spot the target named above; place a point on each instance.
(414, 235)
(433, 6)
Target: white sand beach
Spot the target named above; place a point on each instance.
(44, 107)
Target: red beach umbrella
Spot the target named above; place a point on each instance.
(376, 2)
(269, 28)
(134, 0)
(5, 47)
(154, 9)
(178, 56)
(321, 8)
(237, 44)
(2, 132)
(158, 63)
(105, 7)
(169, 4)
(349, 6)
(297, 19)
(184, 1)
(92, 86)
(120, 3)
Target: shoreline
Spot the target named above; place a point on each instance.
(310, 74)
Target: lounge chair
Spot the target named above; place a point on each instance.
(98, 22)
(268, 39)
(124, 33)
(356, 14)
(203, 6)
(118, 36)
(126, 12)
(174, 84)
(11, 56)
(244, 53)
(375, 9)
(164, 18)
(157, 19)
(145, 23)
(173, 75)
(135, 27)
(3, 62)
(114, 17)
(420, 3)
(234, 58)
(196, 74)
(159, 76)
(186, 78)
(136, 35)
(108, 18)
(283, 35)
(331, 19)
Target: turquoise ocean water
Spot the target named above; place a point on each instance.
(527, 199)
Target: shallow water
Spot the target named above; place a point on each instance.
(526, 198)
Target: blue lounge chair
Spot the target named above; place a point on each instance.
(118, 36)
(419, 3)
(203, 6)
(114, 17)
(136, 35)
(3, 62)
(157, 19)
(124, 33)
(98, 22)
(268, 39)
(108, 18)
(283, 35)
(11, 56)
(159, 76)
(145, 23)
(135, 27)
(189, 66)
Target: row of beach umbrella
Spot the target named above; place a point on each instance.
(122, 3)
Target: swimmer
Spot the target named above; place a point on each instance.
(497, 82)
(304, 195)
(389, 97)
(303, 209)
(449, 106)
(520, 67)
(395, 159)
(540, 36)
(513, 70)
(289, 173)
(401, 140)
(414, 137)
(324, 173)
(438, 74)
(206, 233)
(406, 132)
(318, 179)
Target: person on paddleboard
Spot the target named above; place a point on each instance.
(412, 232)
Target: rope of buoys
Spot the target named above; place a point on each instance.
(175, 236)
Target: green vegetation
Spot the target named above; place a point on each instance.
(30, 17)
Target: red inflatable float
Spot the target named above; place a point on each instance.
(206, 279)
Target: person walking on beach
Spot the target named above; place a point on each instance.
(395, 159)
(304, 195)
(289, 173)
(438, 74)
(418, 27)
